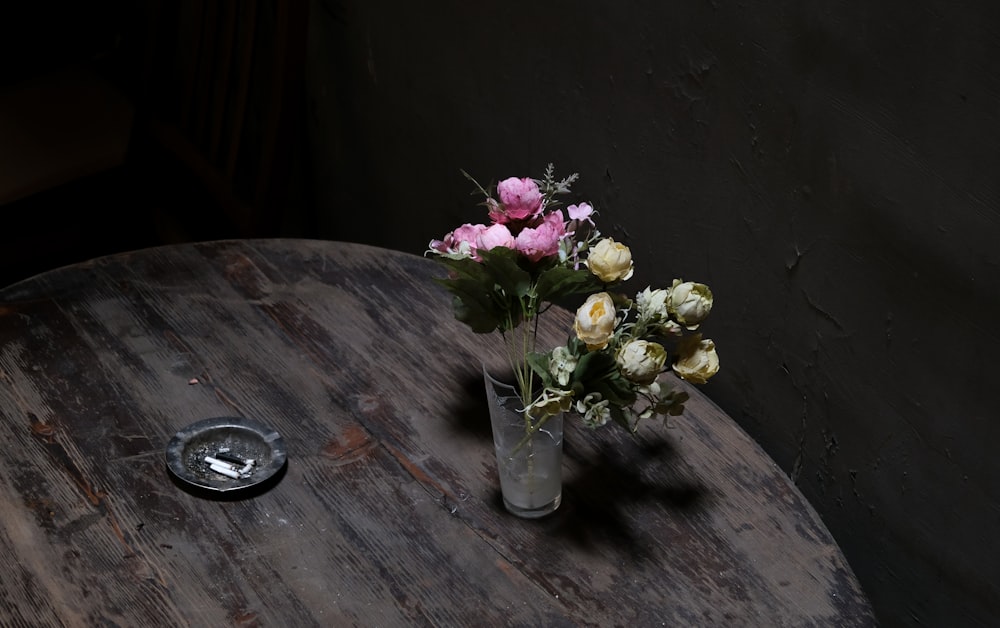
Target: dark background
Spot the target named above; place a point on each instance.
(829, 168)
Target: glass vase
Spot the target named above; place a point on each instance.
(529, 461)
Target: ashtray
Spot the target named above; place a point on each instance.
(226, 455)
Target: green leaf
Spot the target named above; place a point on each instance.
(539, 363)
(463, 267)
(559, 281)
(473, 290)
(617, 390)
(501, 264)
(482, 320)
(485, 292)
(598, 372)
(472, 307)
(587, 367)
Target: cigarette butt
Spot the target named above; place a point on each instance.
(230, 458)
(225, 470)
(221, 463)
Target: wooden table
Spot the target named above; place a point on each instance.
(388, 512)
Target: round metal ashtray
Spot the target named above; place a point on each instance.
(225, 454)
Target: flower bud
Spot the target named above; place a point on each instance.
(610, 261)
(520, 199)
(689, 303)
(641, 361)
(697, 360)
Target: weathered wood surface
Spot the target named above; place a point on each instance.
(388, 514)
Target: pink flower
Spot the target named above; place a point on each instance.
(539, 242)
(468, 233)
(580, 212)
(461, 240)
(520, 199)
(494, 236)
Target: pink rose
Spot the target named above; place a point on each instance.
(520, 199)
(542, 241)
(494, 236)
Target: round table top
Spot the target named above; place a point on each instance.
(387, 511)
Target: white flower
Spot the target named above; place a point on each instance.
(641, 361)
(689, 302)
(698, 360)
(595, 321)
(652, 303)
(610, 261)
(562, 363)
(596, 412)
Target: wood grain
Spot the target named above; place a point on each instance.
(388, 513)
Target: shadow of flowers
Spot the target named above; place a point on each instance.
(615, 478)
(613, 472)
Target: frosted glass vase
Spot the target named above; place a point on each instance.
(529, 463)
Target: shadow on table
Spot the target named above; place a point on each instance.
(613, 482)
(615, 474)
(470, 414)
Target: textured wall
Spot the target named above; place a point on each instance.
(830, 169)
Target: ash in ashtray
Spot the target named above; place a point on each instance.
(225, 455)
(234, 457)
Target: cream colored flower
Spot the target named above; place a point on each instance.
(697, 360)
(551, 401)
(641, 361)
(562, 363)
(595, 321)
(610, 261)
(596, 411)
(652, 303)
(689, 302)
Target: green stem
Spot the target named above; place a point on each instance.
(530, 430)
(518, 345)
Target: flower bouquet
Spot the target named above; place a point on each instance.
(502, 277)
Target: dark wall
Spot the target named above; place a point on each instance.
(830, 169)
(43, 35)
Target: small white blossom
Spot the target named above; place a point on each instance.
(652, 304)
(596, 412)
(562, 363)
